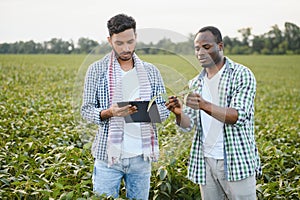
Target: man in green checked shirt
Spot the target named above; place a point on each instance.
(224, 159)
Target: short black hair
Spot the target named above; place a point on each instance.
(215, 31)
(120, 23)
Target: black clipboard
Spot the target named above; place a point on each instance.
(142, 115)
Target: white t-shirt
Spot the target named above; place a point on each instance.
(132, 142)
(213, 129)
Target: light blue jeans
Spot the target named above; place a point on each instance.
(135, 171)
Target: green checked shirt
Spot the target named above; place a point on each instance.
(237, 90)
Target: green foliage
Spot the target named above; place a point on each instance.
(169, 179)
(277, 123)
(41, 153)
(45, 151)
(274, 41)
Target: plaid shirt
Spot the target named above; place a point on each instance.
(96, 98)
(237, 90)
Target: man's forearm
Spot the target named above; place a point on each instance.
(183, 121)
(225, 115)
(105, 114)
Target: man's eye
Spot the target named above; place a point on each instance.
(206, 47)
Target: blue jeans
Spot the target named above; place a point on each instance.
(136, 174)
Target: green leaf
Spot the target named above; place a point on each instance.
(59, 186)
(163, 95)
(70, 195)
(151, 102)
(162, 173)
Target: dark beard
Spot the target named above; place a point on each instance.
(213, 63)
(124, 59)
(209, 65)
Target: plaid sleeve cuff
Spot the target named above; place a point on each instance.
(241, 117)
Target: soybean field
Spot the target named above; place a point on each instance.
(45, 146)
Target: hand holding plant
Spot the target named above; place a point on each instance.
(180, 98)
(174, 104)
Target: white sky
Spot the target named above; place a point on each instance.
(41, 20)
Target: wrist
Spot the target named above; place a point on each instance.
(178, 118)
(109, 113)
(203, 105)
(105, 114)
(101, 119)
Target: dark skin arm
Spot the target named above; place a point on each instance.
(175, 106)
(223, 114)
(195, 101)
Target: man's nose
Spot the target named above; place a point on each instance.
(201, 51)
(126, 48)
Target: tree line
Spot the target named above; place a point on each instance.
(275, 41)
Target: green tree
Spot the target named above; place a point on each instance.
(246, 33)
(165, 45)
(4, 47)
(30, 47)
(258, 44)
(292, 35)
(275, 38)
(86, 45)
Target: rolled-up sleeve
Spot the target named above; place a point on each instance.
(191, 113)
(158, 88)
(192, 116)
(243, 96)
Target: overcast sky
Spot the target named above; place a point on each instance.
(41, 20)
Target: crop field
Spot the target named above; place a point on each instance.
(45, 146)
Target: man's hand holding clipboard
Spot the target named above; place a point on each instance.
(142, 115)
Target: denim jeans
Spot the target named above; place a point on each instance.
(218, 188)
(135, 171)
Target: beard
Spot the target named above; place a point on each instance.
(208, 65)
(211, 62)
(124, 56)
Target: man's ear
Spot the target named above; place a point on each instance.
(221, 46)
(109, 40)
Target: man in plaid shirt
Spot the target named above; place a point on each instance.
(223, 159)
(122, 150)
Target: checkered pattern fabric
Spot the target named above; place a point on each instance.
(237, 90)
(96, 98)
